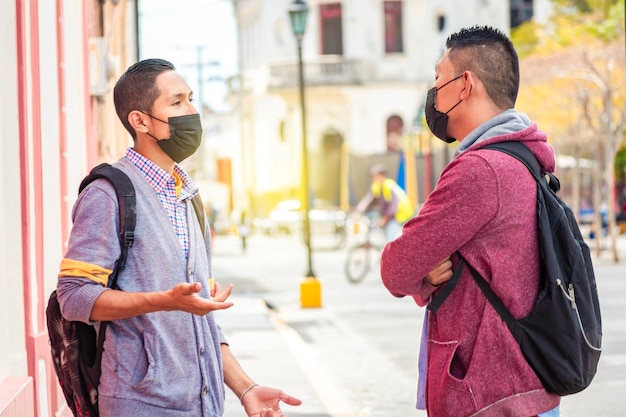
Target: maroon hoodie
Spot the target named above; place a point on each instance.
(484, 206)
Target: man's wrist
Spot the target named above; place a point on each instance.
(247, 390)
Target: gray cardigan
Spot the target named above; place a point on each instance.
(164, 363)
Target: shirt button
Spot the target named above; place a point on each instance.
(205, 390)
(202, 351)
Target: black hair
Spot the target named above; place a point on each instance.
(378, 169)
(491, 56)
(136, 89)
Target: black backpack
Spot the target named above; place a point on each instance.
(76, 348)
(562, 335)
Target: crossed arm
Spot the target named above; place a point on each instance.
(441, 273)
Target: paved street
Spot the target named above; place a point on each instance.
(356, 356)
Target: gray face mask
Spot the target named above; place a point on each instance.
(185, 136)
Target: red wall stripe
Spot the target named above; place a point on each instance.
(31, 188)
(37, 183)
(57, 400)
(90, 107)
(62, 123)
(24, 128)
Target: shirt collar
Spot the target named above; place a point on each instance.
(159, 178)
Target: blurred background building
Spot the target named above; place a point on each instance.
(367, 68)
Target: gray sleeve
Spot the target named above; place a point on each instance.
(93, 239)
(222, 338)
(77, 296)
(365, 203)
(391, 206)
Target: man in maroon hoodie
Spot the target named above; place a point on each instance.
(483, 207)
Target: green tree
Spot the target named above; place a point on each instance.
(573, 72)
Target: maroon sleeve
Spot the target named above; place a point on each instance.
(464, 200)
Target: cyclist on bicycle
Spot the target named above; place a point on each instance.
(391, 202)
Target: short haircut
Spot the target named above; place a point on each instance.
(136, 89)
(491, 56)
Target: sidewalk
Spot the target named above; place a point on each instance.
(272, 347)
(271, 353)
(322, 356)
(606, 254)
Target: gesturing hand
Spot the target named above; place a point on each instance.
(185, 297)
(265, 402)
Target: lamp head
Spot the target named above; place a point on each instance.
(298, 11)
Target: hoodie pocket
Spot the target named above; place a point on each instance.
(446, 393)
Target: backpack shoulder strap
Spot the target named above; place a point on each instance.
(495, 301)
(446, 289)
(125, 192)
(127, 208)
(520, 152)
(200, 213)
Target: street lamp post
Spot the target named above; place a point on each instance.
(310, 289)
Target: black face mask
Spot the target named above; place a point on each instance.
(436, 120)
(185, 136)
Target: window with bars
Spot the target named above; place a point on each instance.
(393, 27)
(332, 31)
(521, 11)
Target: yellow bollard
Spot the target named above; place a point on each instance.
(310, 293)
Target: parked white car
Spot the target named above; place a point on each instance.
(286, 218)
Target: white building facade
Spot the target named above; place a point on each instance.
(367, 67)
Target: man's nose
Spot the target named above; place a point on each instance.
(191, 108)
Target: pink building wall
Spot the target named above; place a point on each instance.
(53, 128)
(16, 397)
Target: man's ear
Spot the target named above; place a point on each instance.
(469, 80)
(138, 121)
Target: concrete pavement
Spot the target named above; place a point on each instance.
(331, 357)
(262, 345)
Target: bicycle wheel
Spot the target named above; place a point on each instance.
(340, 238)
(357, 263)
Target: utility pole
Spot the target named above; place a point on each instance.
(200, 65)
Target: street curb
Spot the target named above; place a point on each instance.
(332, 397)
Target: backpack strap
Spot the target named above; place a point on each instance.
(447, 288)
(127, 209)
(495, 301)
(520, 152)
(200, 213)
(125, 192)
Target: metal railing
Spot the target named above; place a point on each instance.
(324, 70)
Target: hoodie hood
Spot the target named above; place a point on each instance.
(511, 125)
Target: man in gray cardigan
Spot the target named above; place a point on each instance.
(164, 355)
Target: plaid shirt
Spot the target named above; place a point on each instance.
(164, 184)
